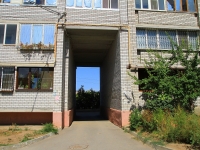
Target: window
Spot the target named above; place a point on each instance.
(34, 34)
(8, 33)
(40, 2)
(150, 4)
(181, 5)
(6, 78)
(142, 74)
(108, 4)
(160, 39)
(31, 2)
(35, 78)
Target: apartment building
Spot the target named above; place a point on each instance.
(43, 41)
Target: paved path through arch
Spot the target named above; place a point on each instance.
(89, 135)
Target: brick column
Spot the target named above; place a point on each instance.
(58, 78)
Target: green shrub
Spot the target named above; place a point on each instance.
(177, 126)
(49, 127)
(135, 119)
(147, 121)
(166, 88)
(194, 131)
(178, 130)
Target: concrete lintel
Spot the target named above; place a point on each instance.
(28, 21)
(25, 64)
(26, 110)
(91, 27)
(166, 27)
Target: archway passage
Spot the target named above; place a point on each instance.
(95, 47)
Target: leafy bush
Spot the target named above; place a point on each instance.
(135, 119)
(177, 126)
(167, 88)
(49, 127)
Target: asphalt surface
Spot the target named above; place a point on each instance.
(89, 134)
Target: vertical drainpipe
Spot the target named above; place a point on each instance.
(55, 43)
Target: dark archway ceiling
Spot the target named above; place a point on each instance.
(90, 46)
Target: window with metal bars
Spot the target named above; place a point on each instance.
(7, 78)
(161, 39)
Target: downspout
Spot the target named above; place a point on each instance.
(55, 44)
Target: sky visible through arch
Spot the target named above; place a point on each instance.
(89, 77)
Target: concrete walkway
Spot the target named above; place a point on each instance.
(90, 135)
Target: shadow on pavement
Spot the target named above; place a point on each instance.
(88, 115)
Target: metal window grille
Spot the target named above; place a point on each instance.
(183, 39)
(193, 40)
(7, 79)
(141, 38)
(152, 39)
(164, 39)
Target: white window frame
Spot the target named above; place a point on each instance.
(4, 36)
(157, 36)
(34, 4)
(93, 6)
(32, 32)
(1, 81)
(149, 6)
(21, 2)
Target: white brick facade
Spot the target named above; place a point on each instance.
(117, 89)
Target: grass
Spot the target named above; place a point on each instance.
(5, 144)
(26, 138)
(14, 127)
(179, 126)
(47, 128)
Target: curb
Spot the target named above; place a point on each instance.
(20, 145)
(148, 142)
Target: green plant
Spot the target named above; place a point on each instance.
(177, 126)
(135, 119)
(14, 127)
(26, 129)
(166, 88)
(25, 138)
(49, 127)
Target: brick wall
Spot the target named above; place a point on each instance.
(110, 85)
(167, 18)
(117, 89)
(71, 77)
